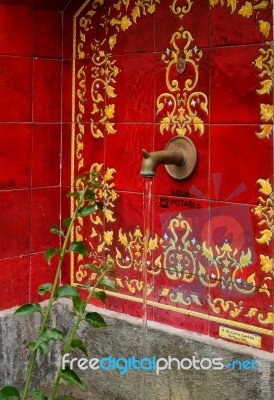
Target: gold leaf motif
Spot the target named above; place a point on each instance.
(264, 289)
(266, 263)
(112, 41)
(266, 236)
(264, 27)
(208, 253)
(135, 13)
(110, 128)
(125, 23)
(110, 91)
(265, 132)
(266, 112)
(252, 311)
(122, 238)
(108, 237)
(267, 320)
(245, 259)
(266, 187)
(266, 87)
(109, 216)
(246, 10)
(153, 243)
(164, 292)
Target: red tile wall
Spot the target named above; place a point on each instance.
(122, 93)
(116, 72)
(30, 140)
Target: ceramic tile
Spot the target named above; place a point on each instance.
(41, 272)
(127, 163)
(15, 89)
(133, 82)
(17, 42)
(130, 28)
(67, 85)
(47, 34)
(46, 155)
(47, 90)
(238, 92)
(51, 4)
(14, 283)
(15, 161)
(14, 222)
(234, 177)
(182, 320)
(196, 185)
(241, 24)
(45, 212)
(172, 18)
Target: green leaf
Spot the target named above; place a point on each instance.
(50, 253)
(92, 267)
(101, 296)
(95, 320)
(79, 344)
(67, 291)
(46, 287)
(108, 284)
(47, 336)
(90, 195)
(73, 194)
(78, 247)
(37, 394)
(86, 210)
(28, 309)
(79, 305)
(66, 222)
(71, 377)
(9, 392)
(100, 205)
(54, 229)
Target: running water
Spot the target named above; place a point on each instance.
(147, 232)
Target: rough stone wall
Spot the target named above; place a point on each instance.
(123, 338)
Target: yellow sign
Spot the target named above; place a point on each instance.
(238, 336)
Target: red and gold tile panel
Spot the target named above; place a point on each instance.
(209, 261)
(241, 22)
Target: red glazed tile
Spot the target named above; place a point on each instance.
(195, 185)
(48, 34)
(241, 24)
(67, 108)
(17, 41)
(130, 28)
(182, 319)
(15, 223)
(124, 306)
(15, 89)
(45, 213)
(51, 4)
(14, 282)
(237, 95)
(229, 178)
(15, 160)
(47, 91)
(66, 154)
(123, 153)
(41, 272)
(194, 18)
(46, 155)
(134, 83)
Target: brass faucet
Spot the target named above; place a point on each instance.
(179, 158)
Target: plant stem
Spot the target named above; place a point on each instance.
(52, 296)
(74, 330)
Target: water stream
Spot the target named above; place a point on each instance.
(147, 212)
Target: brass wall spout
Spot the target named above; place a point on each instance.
(179, 158)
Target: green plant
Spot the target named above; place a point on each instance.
(87, 203)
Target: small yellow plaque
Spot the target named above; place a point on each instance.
(238, 336)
